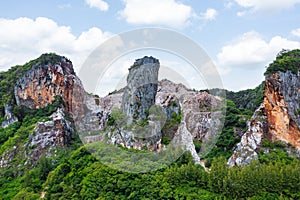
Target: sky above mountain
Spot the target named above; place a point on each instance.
(240, 36)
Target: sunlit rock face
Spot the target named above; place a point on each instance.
(49, 135)
(47, 138)
(282, 103)
(39, 86)
(201, 115)
(278, 118)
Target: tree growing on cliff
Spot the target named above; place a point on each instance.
(285, 61)
(117, 119)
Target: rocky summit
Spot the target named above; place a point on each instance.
(39, 85)
(139, 95)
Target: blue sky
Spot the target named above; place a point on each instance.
(240, 36)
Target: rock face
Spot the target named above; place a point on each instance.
(187, 115)
(282, 102)
(198, 122)
(46, 137)
(51, 75)
(278, 118)
(38, 87)
(50, 134)
(139, 95)
(250, 144)
(201, 115)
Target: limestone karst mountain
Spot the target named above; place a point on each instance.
(45, 111)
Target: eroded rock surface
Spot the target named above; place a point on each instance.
(49, 135)
(250, 144)
(47, 138)
(199, 113)
(139, 94)
(39, 86)
(282, 101)
(277, 119)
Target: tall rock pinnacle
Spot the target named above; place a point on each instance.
(139, 95)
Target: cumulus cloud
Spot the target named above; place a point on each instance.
(242, 61)
(23, 39)
(210, 14)
(296, 32)
(251, 50)
(99, 4)
(156, 12)
(267, 6)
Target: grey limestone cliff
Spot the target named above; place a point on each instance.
(165, 109)
(140, 92)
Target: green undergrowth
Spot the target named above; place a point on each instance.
(234, 126)
(83, 177)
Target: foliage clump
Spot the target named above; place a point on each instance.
(249, 99)
(285, 61)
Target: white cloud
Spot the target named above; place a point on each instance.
(251, 51)
(156, 12)
(23, 39)
(99, 4)
(266, 6)
(240, 14)
(210, 14)
(64, 6)
(296, 32)
(228, 4)
(242, 62)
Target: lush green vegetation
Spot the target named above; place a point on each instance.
(82, 177)
(285, 61)
(249, 99)
(76, 174)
